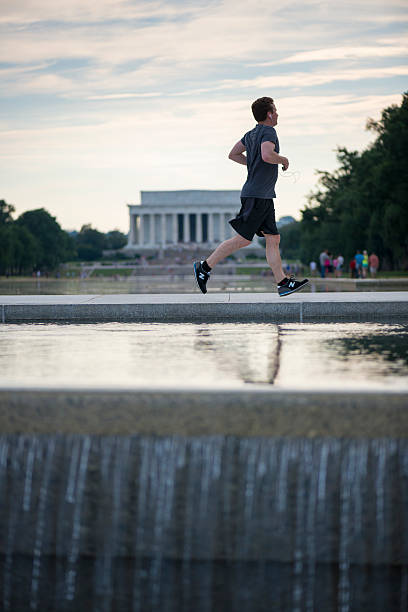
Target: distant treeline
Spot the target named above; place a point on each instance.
(364, 203)
(35, 241)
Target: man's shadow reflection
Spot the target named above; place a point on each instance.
(249, 351)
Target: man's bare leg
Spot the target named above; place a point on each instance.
(227, 248)
(285, 285)
(273, 256)
(202, 268)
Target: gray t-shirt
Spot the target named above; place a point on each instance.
(261, 175)
(322, 258)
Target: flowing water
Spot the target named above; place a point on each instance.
(203, 524)
(211, 523)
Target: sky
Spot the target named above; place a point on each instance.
(101, 99)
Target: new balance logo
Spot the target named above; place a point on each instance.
(292, 284)
(201, 275)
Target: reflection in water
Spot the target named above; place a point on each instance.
(138, 354)
(253, 354)
(343, 355)
(188, 355)
(390, 346)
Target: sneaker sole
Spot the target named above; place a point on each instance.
(195, 276)
(293, 290)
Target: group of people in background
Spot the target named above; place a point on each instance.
(330, 265)
(360, 264)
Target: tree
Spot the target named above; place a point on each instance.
(362, 204)
(290, 240)
(5, 212)
(18, 249)
(90, 243)
(53, 244)
(17, 245)
(115, 240)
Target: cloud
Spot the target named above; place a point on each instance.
(342, 53)
(198, 127)
(120, 95)
(312, 79)
(344, 114)
(103, 83)
(198, 31)
(14, 71)
(123, 96)
(274, 82)
(179, 47)
(29, 12)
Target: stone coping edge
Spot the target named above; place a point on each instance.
(212, 312)
(245, 413)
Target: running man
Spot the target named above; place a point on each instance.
(257, 214)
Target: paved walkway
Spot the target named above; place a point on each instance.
(353, 306)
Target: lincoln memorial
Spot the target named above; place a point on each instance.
(192, 217)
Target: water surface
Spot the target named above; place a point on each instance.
(216, 355)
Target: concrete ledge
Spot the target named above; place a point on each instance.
(269, 413)
(350, 306)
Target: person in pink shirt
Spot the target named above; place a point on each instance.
(328, 264)
(373, 262)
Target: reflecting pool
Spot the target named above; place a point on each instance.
(216, 355)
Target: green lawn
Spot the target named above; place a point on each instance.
(254, 271)
(111, 272)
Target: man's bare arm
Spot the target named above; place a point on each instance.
(237, 154)
(270, 156)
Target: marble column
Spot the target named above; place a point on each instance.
(199, 228)
(228, 216)
(222, 227)
(155, 232)
(163, 229)
(174, 228)
(136, 232)
(210, 227)
(132, 233)
(142, 227)
(149, 225)
(151, 229)
(186, 237)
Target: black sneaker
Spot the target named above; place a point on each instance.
(201, 276)
(291, 285)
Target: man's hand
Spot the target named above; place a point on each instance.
(285, 163)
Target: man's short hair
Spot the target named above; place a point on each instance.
(261, 107)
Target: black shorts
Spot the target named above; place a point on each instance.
(257, 215)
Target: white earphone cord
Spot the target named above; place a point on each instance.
(295, 175)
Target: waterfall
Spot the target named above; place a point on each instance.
(146, 523)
